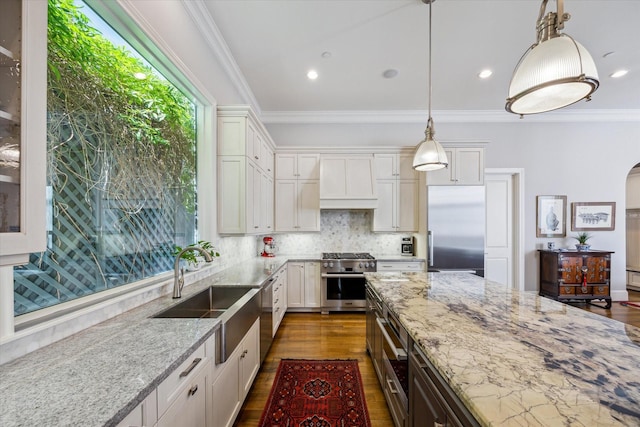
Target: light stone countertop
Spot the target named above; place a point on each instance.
(515, 358)
(96, 377)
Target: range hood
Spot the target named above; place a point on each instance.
(348, 182)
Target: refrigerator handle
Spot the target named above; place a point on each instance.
(430, 244)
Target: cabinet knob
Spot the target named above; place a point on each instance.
(256, 157)
(193, 390)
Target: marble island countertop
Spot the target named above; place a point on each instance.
(515, 358)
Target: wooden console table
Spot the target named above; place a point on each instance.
(578, 276)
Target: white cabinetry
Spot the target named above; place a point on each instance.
(303, 286)
(297, 191)
(245, 173)
(297, 205)
(347, 181)
(400, 266)
(279, 298)
(144, 415)
(182, 396)
(234, 378)
(397, 183)
(466, 167)
(23, 112)
(298, 166)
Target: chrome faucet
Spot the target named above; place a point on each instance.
(178, 273)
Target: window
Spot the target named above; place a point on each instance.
(121, 166)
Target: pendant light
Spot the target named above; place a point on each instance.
(429, 155)
(555, 72)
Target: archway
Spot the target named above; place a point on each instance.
(632, 218)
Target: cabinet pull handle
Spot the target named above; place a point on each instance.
(193, 390)
(190, 368)
(392, 388)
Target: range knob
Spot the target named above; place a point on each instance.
(325, 265)
(373, 264)
(330, 265)
(360, 265)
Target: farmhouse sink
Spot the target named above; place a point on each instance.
(237, 308)
(209, 303)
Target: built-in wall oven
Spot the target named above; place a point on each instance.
(343, 282)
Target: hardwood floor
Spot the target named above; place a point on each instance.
(342, 336)
(316, 336)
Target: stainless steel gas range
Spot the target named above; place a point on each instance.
(343, 282)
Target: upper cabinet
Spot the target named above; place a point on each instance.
(397, 184)
(23, 110)
(245, 173)
(348, 181)
(466, 167)
(395, 166)
(298, 166)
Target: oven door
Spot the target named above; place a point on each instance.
(395, 382)
(342, 291)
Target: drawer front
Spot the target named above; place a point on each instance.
(601, 290)
(584, 290)
(571, 269)
(171, 387)
(400, 266)
(567, 290)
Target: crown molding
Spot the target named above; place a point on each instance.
(209, 30)
(445, 116)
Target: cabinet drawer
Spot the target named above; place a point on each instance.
(567, 290)
(600, 290)
(584, 290)
(172, 386)
(400, 266)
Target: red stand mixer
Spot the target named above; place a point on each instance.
(269, 247)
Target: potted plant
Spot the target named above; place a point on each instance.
(582, 239)
(194, 259)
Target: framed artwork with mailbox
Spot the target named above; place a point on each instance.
(593, 216)
(551, 216)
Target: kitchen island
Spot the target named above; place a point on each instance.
(516, 358)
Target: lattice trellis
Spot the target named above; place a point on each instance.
(98, 241)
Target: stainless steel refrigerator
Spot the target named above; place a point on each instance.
(456, 228)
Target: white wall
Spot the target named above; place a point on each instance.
(586, 161)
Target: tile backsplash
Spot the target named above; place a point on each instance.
(341, 231)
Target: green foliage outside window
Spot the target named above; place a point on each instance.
(121, 154)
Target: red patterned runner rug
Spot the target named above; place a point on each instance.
(316, 393)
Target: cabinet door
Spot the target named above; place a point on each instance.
(571, 269)
(384, 216)
(190, 407)
(295, 284)
(286, 166)
(253, 142)
(469, 167)
(23, 128)
(444, 176)
(267, 159)
(598, 271)
(232, 178)
(386, 166)
(407, 206)
(266, 203)
(312, 296)
(249, 359)
(405, 167)
(226, 393)
(286, 205)
(308, 166)
(308, 206)
(425, 409)
(254, 198)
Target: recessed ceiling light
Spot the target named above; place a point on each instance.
(484, 74)
(326, 54)
(312, 74)
(140, 76)
(390, 73)
(618, 73)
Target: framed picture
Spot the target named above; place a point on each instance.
(551, 216)
(593, 216)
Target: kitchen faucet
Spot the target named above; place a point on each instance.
(178, 273)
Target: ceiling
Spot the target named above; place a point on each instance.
(275, 42)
